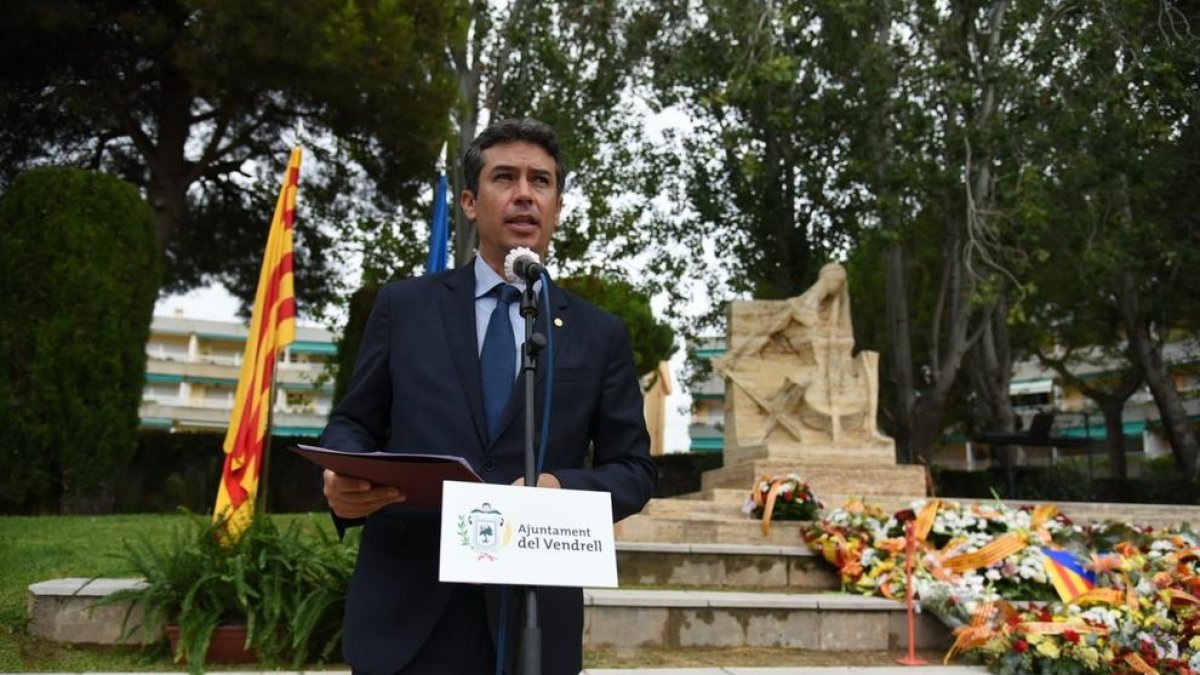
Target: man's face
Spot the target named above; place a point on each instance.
(517, 203)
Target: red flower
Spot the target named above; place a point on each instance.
(1071, 636)
(1045, 615)
(1020, 646)
(787, 496)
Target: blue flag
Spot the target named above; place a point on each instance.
(439, 229)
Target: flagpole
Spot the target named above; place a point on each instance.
(264, 474)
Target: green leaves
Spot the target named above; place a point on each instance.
(198, 101)
(287, 586)
(78, 287)
(652, 341)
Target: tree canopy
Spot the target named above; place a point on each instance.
(197, 101)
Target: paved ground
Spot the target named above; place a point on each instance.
(799, 670)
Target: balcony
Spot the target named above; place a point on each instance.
(226, 367)
(215, 414)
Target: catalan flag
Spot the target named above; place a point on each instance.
(272, 327)
(1067, 573)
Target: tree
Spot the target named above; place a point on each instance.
(760, 169)
(567, 64)
(652, 341)
(1117, 131)
(191, 99)
(79, 282)
(837, 123)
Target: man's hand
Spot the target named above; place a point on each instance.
(358, 498)
(545, 480)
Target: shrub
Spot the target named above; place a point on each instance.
(78, 289)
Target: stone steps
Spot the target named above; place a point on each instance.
(713, 530)
(790, 568)
(614, 618)
(625, 618)
(824, 479)
(717, 517)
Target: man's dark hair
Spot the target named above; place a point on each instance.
(508, 131)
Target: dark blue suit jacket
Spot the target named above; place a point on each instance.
(416, 389)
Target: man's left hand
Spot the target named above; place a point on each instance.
(545, 480)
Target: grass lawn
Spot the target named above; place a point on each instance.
(35, 549)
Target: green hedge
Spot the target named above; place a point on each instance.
(1062, 482)
(679, 473)
(79, 281)
(183, 469)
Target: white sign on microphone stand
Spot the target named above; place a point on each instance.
(507, 534)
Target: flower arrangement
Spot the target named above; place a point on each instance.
(867, 546)
(782, 498)
(980, 569)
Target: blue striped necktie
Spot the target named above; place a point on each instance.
(498, 358)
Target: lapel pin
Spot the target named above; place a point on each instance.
(558, 322)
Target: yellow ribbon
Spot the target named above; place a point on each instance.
(1139, 665)
(996, 550)
(1182, 596)
(1100, 596)
(1041, 514)
(1056, 628)
(977, 633)
(925, 519)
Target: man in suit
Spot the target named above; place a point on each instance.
(417, 388)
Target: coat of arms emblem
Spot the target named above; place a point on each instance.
(482, 530)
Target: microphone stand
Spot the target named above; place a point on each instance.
(531, 634)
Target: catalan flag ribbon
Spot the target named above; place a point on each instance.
(272, 327)
(1067, 573)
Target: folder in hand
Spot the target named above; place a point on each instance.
(418, 476)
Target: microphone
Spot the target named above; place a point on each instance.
(522, 264)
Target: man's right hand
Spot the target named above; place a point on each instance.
(357, 498)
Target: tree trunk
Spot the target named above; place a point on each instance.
(169, 169)
(900, 342)
(1112, 409)
(1110, 401)
(989, 368)
(468, 71)
(1158, 378)
(465, 234)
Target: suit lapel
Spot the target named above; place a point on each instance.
(516, 404)
(458, 317)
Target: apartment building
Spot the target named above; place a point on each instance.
(192, 373)
(707, 427)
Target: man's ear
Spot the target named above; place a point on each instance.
(467, 201)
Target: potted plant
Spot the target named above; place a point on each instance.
(285, 588)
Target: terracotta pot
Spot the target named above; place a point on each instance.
(228, 644)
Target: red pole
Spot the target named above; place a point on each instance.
(910, 550)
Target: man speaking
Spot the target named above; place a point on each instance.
(426, 382)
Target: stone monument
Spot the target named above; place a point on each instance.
(798, 399)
